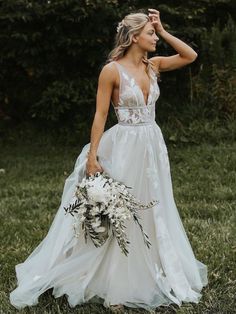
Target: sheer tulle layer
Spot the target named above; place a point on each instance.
(166, 273)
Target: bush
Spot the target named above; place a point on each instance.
(63, 99)
(214, 87)
(51, 53)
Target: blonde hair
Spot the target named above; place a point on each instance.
(132, 24)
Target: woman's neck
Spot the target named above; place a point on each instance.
(134, 57)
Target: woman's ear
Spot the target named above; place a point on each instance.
(135, 38)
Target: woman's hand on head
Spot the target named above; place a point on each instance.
(154, 16)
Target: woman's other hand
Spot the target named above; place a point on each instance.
(154, 16)
(93, 166)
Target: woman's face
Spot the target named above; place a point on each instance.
(147, 39)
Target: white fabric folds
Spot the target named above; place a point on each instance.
(135, 153)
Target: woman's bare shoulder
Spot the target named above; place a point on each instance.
(109, 71)
(155, 62)
(109, 67)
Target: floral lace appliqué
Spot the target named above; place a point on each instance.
(152, 174)
(136, 115)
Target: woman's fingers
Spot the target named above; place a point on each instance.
(154, 13)
(154, 10)
(93, 169)
(154, 17)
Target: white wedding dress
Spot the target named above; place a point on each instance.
(132, 151)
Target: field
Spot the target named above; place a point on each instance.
(32, 177)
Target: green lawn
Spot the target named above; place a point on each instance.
(204, 187)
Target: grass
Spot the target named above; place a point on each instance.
(203, 177)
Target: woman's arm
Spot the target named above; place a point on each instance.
(104, 91)
(185, 54)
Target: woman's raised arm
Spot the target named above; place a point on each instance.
(185, 54)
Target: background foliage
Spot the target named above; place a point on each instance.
(51, 53)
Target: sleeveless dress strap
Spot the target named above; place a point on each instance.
(121, 83)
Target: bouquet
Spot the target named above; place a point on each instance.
(100, 205)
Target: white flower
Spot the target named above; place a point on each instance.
(98, 194)
(83, 209)
(95, 209)
(97, 223)
(77, 234)
(119, 26)
(82, 218)
(100, 229)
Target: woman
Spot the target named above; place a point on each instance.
(132, 151)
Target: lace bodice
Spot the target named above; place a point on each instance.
(131, 108)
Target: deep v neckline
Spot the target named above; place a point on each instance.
(131, 76)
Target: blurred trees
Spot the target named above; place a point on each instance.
(51, 53)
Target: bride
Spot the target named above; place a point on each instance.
(132, 151)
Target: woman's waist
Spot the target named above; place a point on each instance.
(134, 117)
(134, 124)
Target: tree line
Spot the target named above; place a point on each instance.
(51, 53)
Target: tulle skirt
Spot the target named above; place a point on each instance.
(165, 273)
